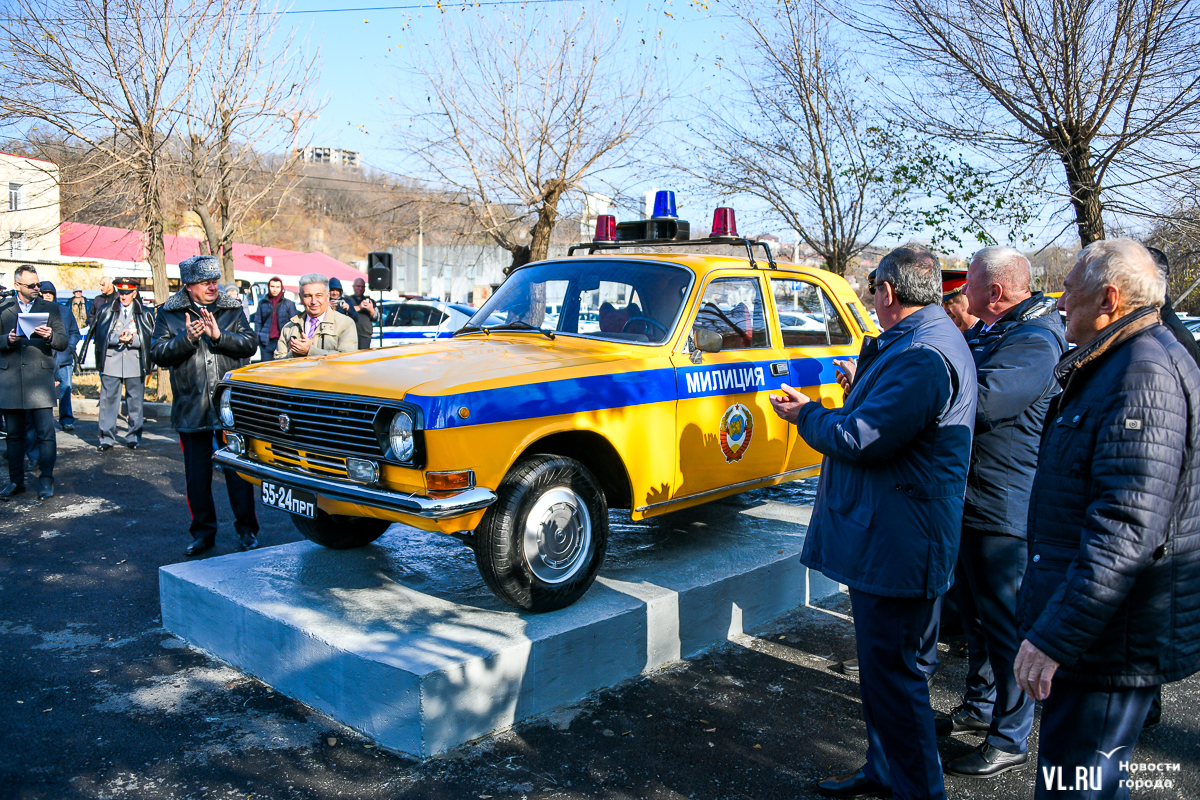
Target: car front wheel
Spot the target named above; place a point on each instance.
(340, 532)
(542, 542)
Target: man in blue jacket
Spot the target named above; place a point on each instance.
(888, 511)
(1110, 605)
(1016, 345)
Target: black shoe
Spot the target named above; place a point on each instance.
(68, 427)
(986, 761)
(201, 545)
(958, 722)
(45, 487)
(133, 445)
(249, 540)
(854, 785)
(849, 667)
(104, 447)
(11, 491)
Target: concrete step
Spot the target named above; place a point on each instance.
(402, 641)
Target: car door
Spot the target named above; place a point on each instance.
(813, 332)
(728, 433)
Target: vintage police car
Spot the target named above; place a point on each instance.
(649, 392)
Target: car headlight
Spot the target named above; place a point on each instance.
(400, 437)
(225, 408)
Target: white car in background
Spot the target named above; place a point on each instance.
(416, 321)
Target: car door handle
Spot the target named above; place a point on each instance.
(779, 369)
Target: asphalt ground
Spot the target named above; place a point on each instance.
(98, 701)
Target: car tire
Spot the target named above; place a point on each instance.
(511, 550)
(339, 532)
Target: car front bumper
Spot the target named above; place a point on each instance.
(414, 505)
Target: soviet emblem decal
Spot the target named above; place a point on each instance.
(737, 428)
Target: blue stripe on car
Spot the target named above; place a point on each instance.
(621, 390)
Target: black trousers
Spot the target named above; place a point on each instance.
(47, 452)
(198, 449)
(1086, 733)
(902, 744)
(991, 568)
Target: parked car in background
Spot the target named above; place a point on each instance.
(417, 321)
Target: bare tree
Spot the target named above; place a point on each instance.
(525, 109)
(108, 76)
(810, 143)
(248, 96)
(1108, 90)
(804, 142)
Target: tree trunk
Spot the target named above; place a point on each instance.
(539, 243)
(1085, 194)
(156, 255)
(225, 178)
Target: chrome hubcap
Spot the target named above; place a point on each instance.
(558, 535)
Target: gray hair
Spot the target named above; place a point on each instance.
(1127, 265)
(1004, 265)
(314, 277)
(915, 274)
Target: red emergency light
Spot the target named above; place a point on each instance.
(724, 225)
(606, 228)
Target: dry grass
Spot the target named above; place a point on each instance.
(87, 384)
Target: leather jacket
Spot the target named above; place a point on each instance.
(197, 366)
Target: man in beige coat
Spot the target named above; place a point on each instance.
(319, 331)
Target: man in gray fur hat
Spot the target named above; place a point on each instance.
(200, 334)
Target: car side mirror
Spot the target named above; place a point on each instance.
(707, 341)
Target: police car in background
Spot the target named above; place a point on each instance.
(420, 320)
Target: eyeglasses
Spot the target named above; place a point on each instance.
(871, 285)
(28, 285)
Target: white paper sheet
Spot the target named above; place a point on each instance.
(27, 322)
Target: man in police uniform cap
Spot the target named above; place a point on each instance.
(122, 336)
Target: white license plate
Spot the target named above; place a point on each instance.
(293, 501)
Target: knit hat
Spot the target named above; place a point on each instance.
(199, 269)
(334, 283)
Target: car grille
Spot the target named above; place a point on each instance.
(329, 423)
(312, 463)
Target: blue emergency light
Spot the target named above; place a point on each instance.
(664, 204)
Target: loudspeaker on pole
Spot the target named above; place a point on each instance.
(379, 271)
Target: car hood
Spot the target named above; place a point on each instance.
(442, 367)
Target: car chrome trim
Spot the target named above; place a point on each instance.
(734, 486)
(416, 505)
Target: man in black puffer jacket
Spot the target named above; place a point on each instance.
(1016, 345)
(200, 334)
(1110, 605)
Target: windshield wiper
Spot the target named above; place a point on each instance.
(518, 325)
(469, 328)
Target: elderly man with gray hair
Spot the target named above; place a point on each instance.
(888, 511)
(1110, 605)
(1016, 345)
(318, 330)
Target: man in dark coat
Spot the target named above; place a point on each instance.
(1016, 345)
(365, 308)
(123, 330)
(64, 361)
(107, 295)
(888, 511)
(27, 379)
(272, 314)
(339, 303)
(200, 334)
(1110, 605)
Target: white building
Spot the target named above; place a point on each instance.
(28, 213)
(332, 156)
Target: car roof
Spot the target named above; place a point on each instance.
(702, 264)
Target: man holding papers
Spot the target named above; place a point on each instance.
(31, 330)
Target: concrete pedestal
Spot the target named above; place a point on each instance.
(402, 641)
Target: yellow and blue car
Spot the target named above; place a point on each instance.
(610, 379)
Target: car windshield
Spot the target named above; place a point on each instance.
(602, 298)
